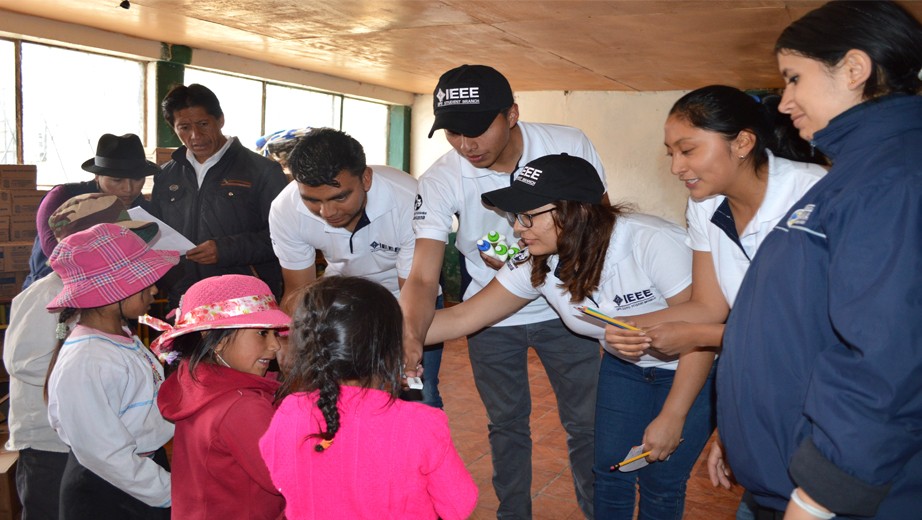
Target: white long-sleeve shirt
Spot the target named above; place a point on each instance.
(102, 402)
(28, 346)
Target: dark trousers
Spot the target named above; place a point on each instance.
(38, 483)
(86, 496)
(499, 360)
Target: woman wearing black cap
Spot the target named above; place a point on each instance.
(586, 253)
(120, 167)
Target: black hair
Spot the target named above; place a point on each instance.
(887, 33)
(729, 111)
(65, 315)
(195, 95)
(196, 346)
(344, 329)
(322, 154)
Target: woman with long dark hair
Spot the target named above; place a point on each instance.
(820, 384)
(744, 165)
(587, 253)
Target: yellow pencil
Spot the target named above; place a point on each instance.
(599, 316)
(633, 459)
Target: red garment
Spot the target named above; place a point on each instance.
(217, 469)
(387, 461)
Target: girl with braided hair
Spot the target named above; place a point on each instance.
(341, 444)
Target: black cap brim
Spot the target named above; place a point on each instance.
(470, 124)
(147, 170)
(513, 200)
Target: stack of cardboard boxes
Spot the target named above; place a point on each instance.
(19, 201)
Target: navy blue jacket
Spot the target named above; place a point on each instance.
(820, 382)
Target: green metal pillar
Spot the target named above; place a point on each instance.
(398, 138)
(170, 71)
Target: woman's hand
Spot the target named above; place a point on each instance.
(718, 469)
(662, 436)
(627, 342)
(673, 338)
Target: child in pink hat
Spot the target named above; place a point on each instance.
(221, 397)
(102, 381)
(341, 444)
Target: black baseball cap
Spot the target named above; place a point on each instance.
(467, 99)
(549, 179)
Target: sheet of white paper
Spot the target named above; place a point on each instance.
(169, 238)
(637, 464)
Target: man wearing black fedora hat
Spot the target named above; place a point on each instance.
(120, 167)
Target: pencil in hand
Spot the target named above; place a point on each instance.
(589, 311)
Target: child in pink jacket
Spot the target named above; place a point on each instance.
(341, 445)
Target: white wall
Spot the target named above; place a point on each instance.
(625, 127)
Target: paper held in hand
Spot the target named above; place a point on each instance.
(169, 238)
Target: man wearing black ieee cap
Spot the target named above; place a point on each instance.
(475, 107)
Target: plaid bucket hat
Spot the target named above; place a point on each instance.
(105, 264)
(232, 301)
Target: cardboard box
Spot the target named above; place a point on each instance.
(20, 202)
(11, 283)
(26, 202)
(22, 227)
(17, 176)
(6, 203)
(14, 256)
(4, 229)
(9, 500)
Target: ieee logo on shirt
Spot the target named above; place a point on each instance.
(378, 246)
(633, 299)
(800, 216)
(458, 96)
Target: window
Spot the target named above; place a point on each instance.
(241, 102)
(7, 102)
(290, 108)
(367, 123)
(71, 98)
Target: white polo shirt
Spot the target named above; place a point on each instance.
(647, 261)
(381, 251)
(452, 185)
(709, 221)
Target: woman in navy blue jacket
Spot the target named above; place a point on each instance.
(820, 382)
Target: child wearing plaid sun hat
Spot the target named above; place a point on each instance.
(102, 381)
(221, 397)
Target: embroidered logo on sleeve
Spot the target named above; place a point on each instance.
(800, 216)
(419, 215)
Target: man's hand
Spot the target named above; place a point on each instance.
(205, 253)
(492, 263)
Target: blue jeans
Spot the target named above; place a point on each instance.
(629, 398)
(432, 360)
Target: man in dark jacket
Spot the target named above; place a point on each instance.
(217, 194)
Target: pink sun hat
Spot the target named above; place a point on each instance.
(105, 264)
(231, 301)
